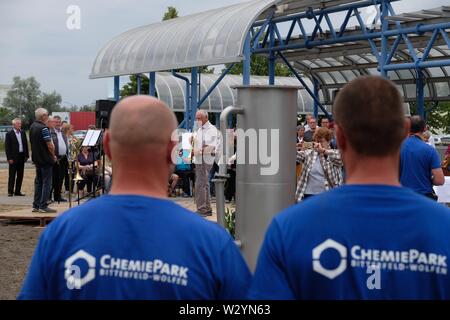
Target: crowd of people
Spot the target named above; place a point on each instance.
(53, 146)
(369, 199)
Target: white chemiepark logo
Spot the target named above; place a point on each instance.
(317, 252)
(73, 272)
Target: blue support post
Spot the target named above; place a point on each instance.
(384, 39)
(152, 84)
(116, 88)
(187, 99)
(217, 114)
(246, 62)
(272, 56)
(139, 81)
(420, 99)
(194, 98)
(316, 94)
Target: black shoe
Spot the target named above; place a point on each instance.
(61, 200)
(35, 210)
(10, 194)
(204, 214)
(20, 194)
(201, 214)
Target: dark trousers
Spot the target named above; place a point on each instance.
(212, 173)
(16, 174)
(186, 177)
(89, 181)
(230, 187)
(42, 186)
(59, 172)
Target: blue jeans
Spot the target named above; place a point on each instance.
(42, 186)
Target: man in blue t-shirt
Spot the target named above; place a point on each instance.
(134, 243)
(370, 239)
(420, 165)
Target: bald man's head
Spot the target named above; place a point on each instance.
(141, 122)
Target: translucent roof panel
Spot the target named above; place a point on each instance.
(207, 38)
(171, 90)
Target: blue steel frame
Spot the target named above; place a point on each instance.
(266, 38)
(278, 44)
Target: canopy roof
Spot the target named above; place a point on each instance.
(207, 38)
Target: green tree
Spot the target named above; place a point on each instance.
(51, 102)
(23, 98)
(5, 116)
(259, 66)
(131, 87)
(171, 13)
(87, 107)
(437, 114)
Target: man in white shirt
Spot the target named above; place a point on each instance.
(206, 143)
(60, 167)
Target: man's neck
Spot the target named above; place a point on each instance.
(370, 170)
(134, 180)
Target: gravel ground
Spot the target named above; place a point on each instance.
(17, 243)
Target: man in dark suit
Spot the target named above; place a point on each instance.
(16, 148)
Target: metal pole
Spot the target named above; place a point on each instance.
(420, 99)
(152, 84)
(246, 62)
(217, 120)
(272, 56)
(116, 88)
(187, 95)
(222, 176)
(194, 97)
(316, 94)
(138, 80)
(384, 40)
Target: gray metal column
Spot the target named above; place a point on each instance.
(259, 197)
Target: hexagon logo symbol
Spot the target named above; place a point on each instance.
(317, 252)
(73, 274)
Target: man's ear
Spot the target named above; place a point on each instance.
(341, 139)
(106, 143)
(407, 127)
(172, 152)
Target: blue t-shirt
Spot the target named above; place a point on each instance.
(417, 159)
(322, 247)
(181, 165)
(135, 247)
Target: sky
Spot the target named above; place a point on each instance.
(35, 40)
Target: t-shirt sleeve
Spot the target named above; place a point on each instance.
(46, 134)
(270, 280)
(435, 160)
(236, 276)
(35, 284)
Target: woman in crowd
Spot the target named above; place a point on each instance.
(86, 166)
(322, 166)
